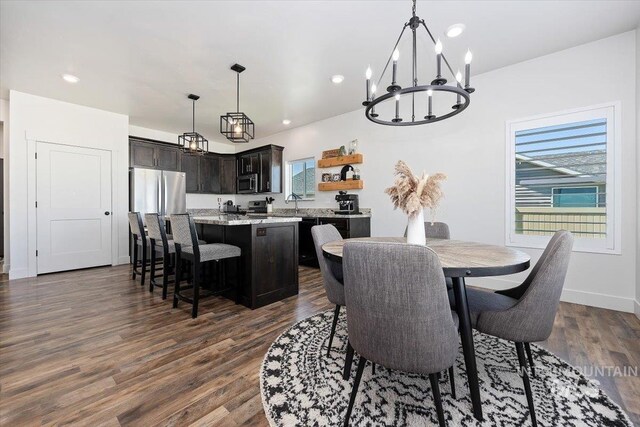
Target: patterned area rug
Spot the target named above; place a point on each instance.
(301, 386)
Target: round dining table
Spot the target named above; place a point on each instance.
(459, 259)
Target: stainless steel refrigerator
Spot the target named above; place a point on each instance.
(157, 191)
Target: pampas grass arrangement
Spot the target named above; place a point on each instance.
(412, 193)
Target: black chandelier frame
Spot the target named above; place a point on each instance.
(233, 120)
(193, 142)
(437, 85)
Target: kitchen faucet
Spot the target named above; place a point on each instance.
(295, 197)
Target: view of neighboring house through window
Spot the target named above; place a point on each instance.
(561, 176)
(302, 177)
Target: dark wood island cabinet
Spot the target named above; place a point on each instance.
(269, 259)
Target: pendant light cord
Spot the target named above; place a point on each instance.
(193, 117)
(237, 92)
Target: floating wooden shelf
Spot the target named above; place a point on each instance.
(339, 161)
(351, 184)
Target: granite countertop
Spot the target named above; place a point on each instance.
(242, 219)
(315, 213)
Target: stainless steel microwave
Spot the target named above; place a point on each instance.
(248, 183)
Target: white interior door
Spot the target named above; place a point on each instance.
(73, 207)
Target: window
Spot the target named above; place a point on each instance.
(302, 178)
(562, 174)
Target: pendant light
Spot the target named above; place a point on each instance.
(237, 127)
(193, 142)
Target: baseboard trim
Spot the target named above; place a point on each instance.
(123, 260)
(18, 273)
(636, 307)
(5, 268)
(592, 299)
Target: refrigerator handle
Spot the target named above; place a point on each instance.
(160, 196)
(164, 193)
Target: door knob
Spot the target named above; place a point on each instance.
(107, 213)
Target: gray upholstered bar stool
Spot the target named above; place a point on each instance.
(526, 313)
(139, 242)
(333, 286)
(185, 238)
(398, 315)
(159, 242)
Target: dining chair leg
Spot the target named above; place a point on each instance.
(178, 275)
(152, 273)
(452, 381)
(525, 379)
(135, 258)
(354, 391)
(435, 388)
(527, 347)
(347, 362)
(143, 262)
(373, 368)
(195, 280)
(336, 313)
(166, 269)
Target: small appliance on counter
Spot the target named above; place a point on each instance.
(230, 208)
(348, 203)
(257, 206)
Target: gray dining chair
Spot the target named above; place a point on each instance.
(333, 286)
(185, 238)
(434, 230)
(526, 313)
(398, 315)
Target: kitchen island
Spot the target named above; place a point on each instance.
(269, 269)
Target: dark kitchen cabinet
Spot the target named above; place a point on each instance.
(266, 162)
(210, 173)
(191, 167)
(228, 174)
(202, 173)
(248, 163)
(348, 228)
(154, 155)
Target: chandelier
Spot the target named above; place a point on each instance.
(237, 127)
(438, 84)
(193, 142)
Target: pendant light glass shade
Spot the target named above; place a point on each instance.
(193, 142)
(237, 127)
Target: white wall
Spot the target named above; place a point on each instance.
(194, 201)
(637, 302)
(470, 149)
(33, 118)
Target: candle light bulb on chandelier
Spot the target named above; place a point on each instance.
(429, 92)
(468, 57)
(459, 76)
(373, 89)
(368, 73)
(398, 97)
(438, 47)
(396, 55)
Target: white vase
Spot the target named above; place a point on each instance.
(415, 230)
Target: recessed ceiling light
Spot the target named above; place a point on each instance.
(286, 122)
(455, 30)
(70, 78)
(337, 79)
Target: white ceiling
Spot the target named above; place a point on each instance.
(143, 58)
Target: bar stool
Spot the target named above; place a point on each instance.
(139, 240)
(188, 247)
(159, 242)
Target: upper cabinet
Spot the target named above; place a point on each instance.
(145, 154)
(266, 162)
(211, 173)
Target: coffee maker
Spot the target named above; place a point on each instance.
(348, 203)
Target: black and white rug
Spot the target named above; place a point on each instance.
(301, 386)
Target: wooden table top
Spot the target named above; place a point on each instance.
(458, 258)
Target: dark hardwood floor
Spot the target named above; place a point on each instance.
(92, 347)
